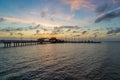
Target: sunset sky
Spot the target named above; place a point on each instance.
(84, 19)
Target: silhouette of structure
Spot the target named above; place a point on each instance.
(54, 40)
(17, 43)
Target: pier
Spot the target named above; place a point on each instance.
(18, 43)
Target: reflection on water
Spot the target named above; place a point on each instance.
(61, 62)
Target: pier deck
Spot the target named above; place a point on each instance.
(17, 43)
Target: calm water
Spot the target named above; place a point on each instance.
(61, 62)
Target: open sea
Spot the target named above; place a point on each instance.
(68, 61)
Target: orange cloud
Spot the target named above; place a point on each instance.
(30, 21)
(63, 16)
(77, 4)
(11, 19)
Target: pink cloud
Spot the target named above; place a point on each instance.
(66, 17)
(77, 4)
(11, 19)
(30, 20)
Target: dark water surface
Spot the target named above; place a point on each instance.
(61, 62)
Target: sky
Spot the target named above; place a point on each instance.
(82, 19)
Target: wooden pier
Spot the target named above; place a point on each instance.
(18, 43)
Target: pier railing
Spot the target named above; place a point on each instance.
(17, 43)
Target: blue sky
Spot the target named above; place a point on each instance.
(99, 19)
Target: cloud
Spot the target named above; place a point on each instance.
(37, 31)
(21, 34)
(34, 27)
(56, 30)
(37, 26)
(78, 35)
(43, 14)
(102, 8)
(34, 34)
(69, 27)
(11, 33)
(116, 2)
(77, 4)
(30, 20)
(14, 19)
(109, 15)
(113, 31)
(95, 34)
(11, 29)
(44, 29)
(75, 31)
(57, 15)
(63, 16)
(52, 16)
(52, 19)
(8, 29)
(68, 30)
(110, 9)
(17, 29)
(2, 19)
(84, 32)
(63, 29)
